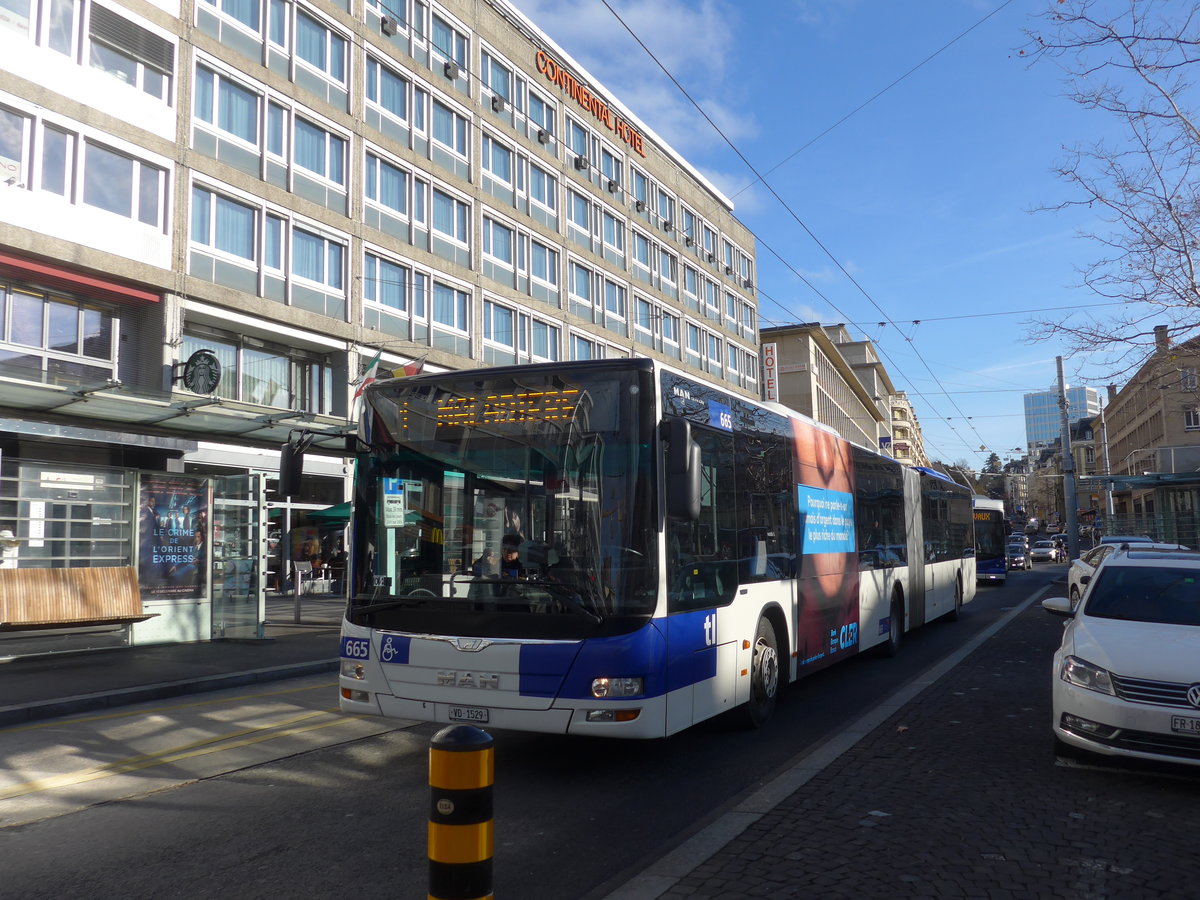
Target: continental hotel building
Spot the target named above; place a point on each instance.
(296, 187)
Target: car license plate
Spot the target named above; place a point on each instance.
(475, 714)
(1185, 725)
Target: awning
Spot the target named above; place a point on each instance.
(339, 512)
(190, 415)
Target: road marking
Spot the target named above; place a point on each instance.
(214, 744)
(138, 711)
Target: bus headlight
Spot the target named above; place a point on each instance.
(352, 669)
(608, 688)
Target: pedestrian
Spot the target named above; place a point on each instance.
(485, 566)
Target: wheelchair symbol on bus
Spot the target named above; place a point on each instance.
(387, 650)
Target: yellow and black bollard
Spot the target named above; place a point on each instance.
(461, 771)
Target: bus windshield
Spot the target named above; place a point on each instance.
(506, 504)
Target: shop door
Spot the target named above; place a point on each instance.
(239, 562)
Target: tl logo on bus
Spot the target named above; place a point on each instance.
(843, 638)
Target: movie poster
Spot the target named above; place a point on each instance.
(173, 537)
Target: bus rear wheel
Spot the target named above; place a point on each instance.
(958, 601)
(764, 676)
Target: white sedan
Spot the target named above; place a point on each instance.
(1082, 569)
(1126, 679)
(1043, 551)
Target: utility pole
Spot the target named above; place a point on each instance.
(1068, 464)
(1108, 490)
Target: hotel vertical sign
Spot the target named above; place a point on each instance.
(770, 369)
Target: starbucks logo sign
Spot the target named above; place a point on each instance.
(202, 372)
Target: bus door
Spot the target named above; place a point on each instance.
(917, 582)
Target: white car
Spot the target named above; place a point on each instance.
(1126, 679)
(1082, 569)
(1043, 551)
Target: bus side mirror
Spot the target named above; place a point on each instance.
(683, 471)
(291, 465)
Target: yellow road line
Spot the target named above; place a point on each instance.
(132, 711)
(175, 754)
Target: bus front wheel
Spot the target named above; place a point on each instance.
(891, 646)
(764, 676)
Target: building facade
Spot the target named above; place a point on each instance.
(820, 372)
(1043, 418)
(216, 214)
(1153, 442)
(907, 441)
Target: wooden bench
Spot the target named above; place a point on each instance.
(69, 598)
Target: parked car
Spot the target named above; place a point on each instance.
(1125, 676)
(1043, 551)
(1127, 539)
(1084, 568)
(1018, 557)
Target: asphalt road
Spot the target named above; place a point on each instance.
(573, 817)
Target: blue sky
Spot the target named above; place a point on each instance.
(925, 196)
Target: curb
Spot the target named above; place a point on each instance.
(66, 706)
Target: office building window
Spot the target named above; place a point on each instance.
(449, 42)
(50, 338)
(582, 348)
(498, 324)
(541, 112)
(544, 339)
(450, 307)
(450, 216)
(320, 47)
(496, 76)
(385, 283)
(320, 151)
(386, 184)
(318, 259)
(223, 103)
(449, 128)
(498, 242)
(497, 160)
(223, 224)
(131, 53)
(543, 264)
(543, 188)
(387, 89)
(123, 185)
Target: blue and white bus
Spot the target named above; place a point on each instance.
(991, 539)
(614, 548)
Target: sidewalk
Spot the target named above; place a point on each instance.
(42, 687)
(951, 790)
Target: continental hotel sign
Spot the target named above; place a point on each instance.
(556, 74)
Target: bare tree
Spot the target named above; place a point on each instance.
(1132, 59)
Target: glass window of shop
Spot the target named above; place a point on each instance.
(65, 515)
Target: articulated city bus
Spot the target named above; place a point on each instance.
(991, 539)
(615, 548)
